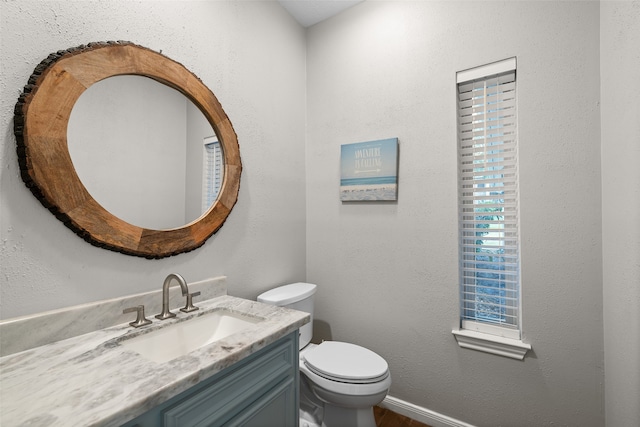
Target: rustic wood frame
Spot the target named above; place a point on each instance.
(40, 126)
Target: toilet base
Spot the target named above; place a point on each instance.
(310, 416)
(306, 423)
(336, 416)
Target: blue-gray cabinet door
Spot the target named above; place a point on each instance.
(260, 391)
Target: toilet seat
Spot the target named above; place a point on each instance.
(347, 388)
(346, 363)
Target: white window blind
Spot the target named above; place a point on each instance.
(488, 200)
(212, 172)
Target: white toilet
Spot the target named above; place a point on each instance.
(340, 382)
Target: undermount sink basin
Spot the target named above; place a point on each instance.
(184, 337)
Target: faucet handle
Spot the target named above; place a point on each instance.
(190, 307)
(140, 319)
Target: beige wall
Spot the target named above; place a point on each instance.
(387, 272)
(620, 90)
(252, 56)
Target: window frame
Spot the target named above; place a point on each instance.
(501, 334)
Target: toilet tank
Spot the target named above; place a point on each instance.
(298, 296)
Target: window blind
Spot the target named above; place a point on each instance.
(212, 172)
(488, 200)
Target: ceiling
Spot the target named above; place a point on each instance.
(310, 12)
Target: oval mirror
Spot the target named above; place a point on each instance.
(41, 123)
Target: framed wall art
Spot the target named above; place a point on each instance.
(369, 170)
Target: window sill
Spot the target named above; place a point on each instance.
(493, 344)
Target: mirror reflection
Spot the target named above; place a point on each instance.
(145, 152)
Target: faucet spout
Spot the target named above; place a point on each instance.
(166, 313)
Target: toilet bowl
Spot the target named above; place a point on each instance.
(339, 382)
(348, 379)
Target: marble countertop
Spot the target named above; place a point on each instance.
(91, 380)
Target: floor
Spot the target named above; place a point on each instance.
(387, 418)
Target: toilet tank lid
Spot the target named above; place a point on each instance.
(288, 294)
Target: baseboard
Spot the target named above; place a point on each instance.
(421, 414)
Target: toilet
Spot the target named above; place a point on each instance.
(339, 382)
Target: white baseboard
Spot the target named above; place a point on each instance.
(421, 414)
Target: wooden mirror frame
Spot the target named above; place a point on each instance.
(40, 126)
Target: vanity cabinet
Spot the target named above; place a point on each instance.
(260, 390)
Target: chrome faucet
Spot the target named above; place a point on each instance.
(166, 313)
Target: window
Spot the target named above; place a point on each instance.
(488, 201)
(211, 172)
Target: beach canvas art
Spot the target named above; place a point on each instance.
(369, 170)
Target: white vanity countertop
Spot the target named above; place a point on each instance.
(91, 380)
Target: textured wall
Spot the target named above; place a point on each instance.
(252, 56)
(620, 89)
(387, 272)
